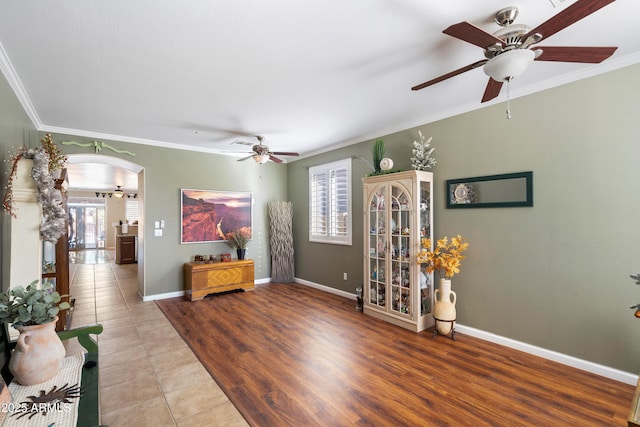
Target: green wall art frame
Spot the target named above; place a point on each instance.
(491, 191)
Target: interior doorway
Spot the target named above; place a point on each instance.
(87, 229)
(92, 180)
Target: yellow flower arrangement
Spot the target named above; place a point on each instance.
(446, 257)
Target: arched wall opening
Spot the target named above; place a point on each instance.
(98, 173)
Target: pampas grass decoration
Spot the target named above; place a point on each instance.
(378, 153)
(281, 241)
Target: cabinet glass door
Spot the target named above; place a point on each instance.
(424, 223)
(399, 230)
(377, 248)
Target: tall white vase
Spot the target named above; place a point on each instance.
(444, 309)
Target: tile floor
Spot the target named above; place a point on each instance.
(148, 375)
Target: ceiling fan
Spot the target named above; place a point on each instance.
(508, 52)
(261, 153)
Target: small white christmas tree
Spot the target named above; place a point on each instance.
(422, 159)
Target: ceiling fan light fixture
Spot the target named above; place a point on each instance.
(261, 158)
(118, 192)
(509, 64)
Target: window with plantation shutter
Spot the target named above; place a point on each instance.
(131, 210)
(330, 203)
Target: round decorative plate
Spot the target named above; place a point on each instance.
(386, 164)
(461, 192)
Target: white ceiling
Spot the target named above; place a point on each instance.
(308, 75)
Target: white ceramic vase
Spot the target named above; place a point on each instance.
(38, 355)
(444, 309)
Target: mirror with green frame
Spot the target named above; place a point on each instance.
(491, 191)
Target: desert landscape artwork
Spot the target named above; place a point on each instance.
(208, 215)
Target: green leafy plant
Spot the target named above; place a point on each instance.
(385, 172)
(33, 305)
(378, 154)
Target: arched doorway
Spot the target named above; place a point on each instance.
(95, 176)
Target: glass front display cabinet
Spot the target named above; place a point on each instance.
(397, 215)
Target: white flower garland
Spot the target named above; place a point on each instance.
(54, 223)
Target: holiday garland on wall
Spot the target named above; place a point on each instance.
(46, 161)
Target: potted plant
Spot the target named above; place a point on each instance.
(239, 240)
(446, 258)
(33, 311)
(378, 153)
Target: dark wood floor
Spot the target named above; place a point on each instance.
(290, 355)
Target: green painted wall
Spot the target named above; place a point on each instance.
(555, 275)
(168, 170)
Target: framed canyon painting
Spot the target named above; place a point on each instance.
(208, 215)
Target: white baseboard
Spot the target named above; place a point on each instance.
(162, 296)
(585, 365)
(326, 288)
(182, 293)
(565, 359)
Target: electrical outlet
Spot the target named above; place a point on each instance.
(344, 276)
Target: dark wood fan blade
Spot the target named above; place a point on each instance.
(570, 15)
(590, 55)
(472, 34)
(492, 90)
(275, 159)
(451, 74)
(284, 153)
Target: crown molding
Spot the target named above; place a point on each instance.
(14, 81)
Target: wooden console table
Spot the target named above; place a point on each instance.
(202, 279)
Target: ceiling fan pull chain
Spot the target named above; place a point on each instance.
(508, 99)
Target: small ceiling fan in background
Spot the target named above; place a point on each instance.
(508, 52)
(261, 153)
